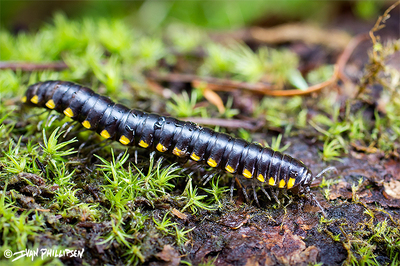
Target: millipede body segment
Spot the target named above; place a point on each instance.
(169, 135)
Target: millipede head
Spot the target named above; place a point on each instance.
(302, 182)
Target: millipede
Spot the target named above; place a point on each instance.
(263, 166)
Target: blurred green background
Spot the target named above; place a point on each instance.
(151, 15)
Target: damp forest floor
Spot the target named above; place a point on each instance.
(63, 187)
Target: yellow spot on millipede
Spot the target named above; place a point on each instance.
(143, 144)
(194, 157)
(23, 99)
(68, 112)
(211, 162)
(105, 134)
(161, 148)
(50, 104)
(290, 183)
(35, 99)
(177, 152)
(124, 140)
(271, 181)
(247, 173)
(260, 177)
(229, 169)
(282, 183)
(86, 124)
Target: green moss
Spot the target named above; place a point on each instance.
(17, 228)
(183, 105)
(238, 60)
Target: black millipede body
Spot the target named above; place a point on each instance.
(169, 135)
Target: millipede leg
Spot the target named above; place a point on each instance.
(265, 192)
(65, 126)
(91, 137)
(120, 156)
(275, 194)
(39, 114)
(152, 155)
(72, 125)
(96, 149)
(51, 120)
(191, 174)
(210, 176)
(136, 156)
(287, 196)
(245, 194)
(39, 125)
(182, 160)
(205, 177)
(312, 196)
(160, 160)
(284, 192)
(232, 188)
(174, 168)
(81, 147)
(255, 193)
(192, 169)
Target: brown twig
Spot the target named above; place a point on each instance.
(347, 52)
(309, 90)
(228, 85)
(27, 66)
